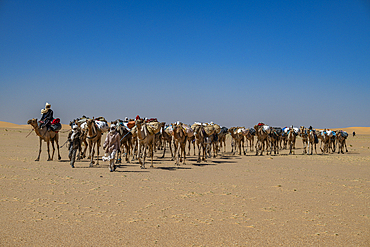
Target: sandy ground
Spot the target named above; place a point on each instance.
(288, 200)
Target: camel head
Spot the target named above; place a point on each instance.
(139, 122)
(33, 122)
(89, 122)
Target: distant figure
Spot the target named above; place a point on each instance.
(112, 145)
(74, 139)
(47, 116)
(354, 133)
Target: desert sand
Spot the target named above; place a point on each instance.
(231, 200)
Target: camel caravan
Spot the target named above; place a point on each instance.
(138, 138)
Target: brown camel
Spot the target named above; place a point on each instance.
(249, 136)
(222, 138)
(179, 138)
(190, 138)
(167, 139)
(200, 141)
(237, 135)
(341, 139)
(304, 135)
(312, 141)
(291, 139)
(325, 139)
(93, 138)
(273, 140)
(261, 138)
(284, 138)
(46, 136)
(125, 137)
(146, 140)
(332, 141)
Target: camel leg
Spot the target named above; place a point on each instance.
(38, 157)
(144, 154)
(127, 151)
(204, 152)
(152, 153)
(52, 145)
(97, 153)
(85, 149)
(90, 148)
(92, 154)
(177, 155)
(198, 161)
(57, 143)
(184, 156)
(119, 156)
(48, 145)
(164, 148)
(172, 151)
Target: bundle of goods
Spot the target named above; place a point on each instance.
(189, 131)
(153, 127)
(56, 125)
(103, 126)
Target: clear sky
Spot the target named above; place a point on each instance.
(235, 63)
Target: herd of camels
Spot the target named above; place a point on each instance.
(144, 137)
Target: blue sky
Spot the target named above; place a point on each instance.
(235, 63)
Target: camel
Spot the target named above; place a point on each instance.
(312, 141)
(249, 136)
(222, 138)
(200, 136)
(125, 137)
(284, 138)
(262, 138)
(167, 139)
(304, 135)
(145, 140)
(190, 138)
(341, 139)
(93, 136)
(82, 153)
(325, 139)
(134, 142)
(273, 140)
(291, 139)
(237, 135)
(179, 138)
(46, 136)
(332, 140)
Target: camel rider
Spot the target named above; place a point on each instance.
(112, 146)
(47, 116)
